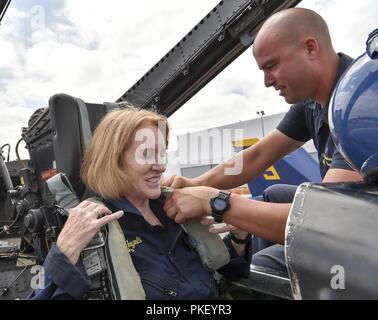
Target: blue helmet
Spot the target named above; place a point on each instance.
(353, 114)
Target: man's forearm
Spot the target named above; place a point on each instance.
(234, 172)
(341, 175)
(217, 178)
(249, 163)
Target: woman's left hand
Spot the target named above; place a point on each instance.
(83, 222)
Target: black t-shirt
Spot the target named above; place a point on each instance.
(308, 120)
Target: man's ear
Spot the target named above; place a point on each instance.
(311, 46)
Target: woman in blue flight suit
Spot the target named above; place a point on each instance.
(124, 164)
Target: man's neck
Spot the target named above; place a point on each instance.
(327, 79)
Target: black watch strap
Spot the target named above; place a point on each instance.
(241, 241)
(218, 217)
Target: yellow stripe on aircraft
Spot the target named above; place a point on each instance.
(270, 173)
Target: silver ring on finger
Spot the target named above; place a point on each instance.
(98, 213)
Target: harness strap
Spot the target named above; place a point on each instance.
(129, 285)
(86, 133)
(62, 190)
(210, 247)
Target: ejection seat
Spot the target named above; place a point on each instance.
(72, 124)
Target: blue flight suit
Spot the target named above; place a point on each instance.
(167, 264)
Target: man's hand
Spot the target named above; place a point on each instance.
(83, 222)
(186, 203)
(178, 182)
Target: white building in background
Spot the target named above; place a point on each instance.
(202, 150)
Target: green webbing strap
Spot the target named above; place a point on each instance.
(86, 135)
(86, 132)
(62, 190)
(209, 246)
(127, 278)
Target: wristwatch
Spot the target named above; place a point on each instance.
(219, 205)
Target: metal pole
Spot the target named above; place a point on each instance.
(261, 115)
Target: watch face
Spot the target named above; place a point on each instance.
(219, 204)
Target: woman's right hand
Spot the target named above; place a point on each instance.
(84, 221)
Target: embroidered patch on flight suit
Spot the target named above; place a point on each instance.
(131, 244)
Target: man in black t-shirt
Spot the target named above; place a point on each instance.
(309, 120)
(294, 50)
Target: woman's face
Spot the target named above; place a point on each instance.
(144, 163)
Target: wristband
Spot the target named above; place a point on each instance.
(241, 241)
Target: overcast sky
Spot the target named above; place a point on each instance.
(96, 50)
